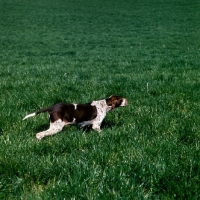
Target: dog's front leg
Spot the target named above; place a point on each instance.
(97, 127)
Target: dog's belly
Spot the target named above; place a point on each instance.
(86, 123)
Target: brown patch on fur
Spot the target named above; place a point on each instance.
(114, 101)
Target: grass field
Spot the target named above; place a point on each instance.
(79, 51)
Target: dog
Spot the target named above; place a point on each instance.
(92, 113)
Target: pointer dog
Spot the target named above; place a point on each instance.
(92, 113)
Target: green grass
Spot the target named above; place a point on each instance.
(78, 51)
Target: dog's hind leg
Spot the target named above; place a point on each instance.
(54, 128)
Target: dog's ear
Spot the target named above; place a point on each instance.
(116, 103)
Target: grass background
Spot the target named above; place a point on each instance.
(78, 51)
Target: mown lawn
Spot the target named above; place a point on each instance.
(79, 51)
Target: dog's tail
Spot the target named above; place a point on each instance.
(30, 115)
(38, 112)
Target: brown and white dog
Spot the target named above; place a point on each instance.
(92, 113)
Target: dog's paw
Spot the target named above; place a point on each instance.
(39, 136)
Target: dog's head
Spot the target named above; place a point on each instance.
(115, 101)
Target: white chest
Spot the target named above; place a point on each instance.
(102, 109)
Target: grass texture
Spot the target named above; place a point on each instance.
(79, 51)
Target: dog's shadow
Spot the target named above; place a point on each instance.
(107, 125)
(41, 128)
(1, 131)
